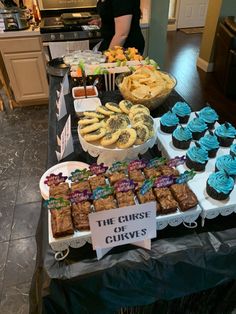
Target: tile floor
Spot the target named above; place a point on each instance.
(23, 155)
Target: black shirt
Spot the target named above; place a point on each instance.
(109, 10)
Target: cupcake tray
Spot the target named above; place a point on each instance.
(210, 208)
(79, 238)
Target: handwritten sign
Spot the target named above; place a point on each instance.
(123, 225)
(65, 141)
(61, 105)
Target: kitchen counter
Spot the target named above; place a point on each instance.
(21, 33)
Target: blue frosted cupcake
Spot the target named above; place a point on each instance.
(169, 122)
(196, 158)
(226, 134)
(219, 185)
(181, 137)
(198, 128)
(209, 116)
(233, 150)
(182, 111)
(226, 163)
(210, 143)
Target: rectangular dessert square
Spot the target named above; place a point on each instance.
(136, 175)
(97, 181)
(152, 172)
(125, 198)
(80, 213)
(61, 222)
(185, 197)
(60, 189)
(147, 197)
(116, 176)
(166, 200)
(104, 203)
(80, 186)
(168, 171)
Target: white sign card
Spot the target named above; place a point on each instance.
(65, 87)
(65, 141)
(61, 105)
(128, 225)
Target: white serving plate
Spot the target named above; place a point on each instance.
(109, 155)
(210, 208)
(65, 167)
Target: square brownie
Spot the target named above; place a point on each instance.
(97, 181)
(104, 203)
(168, 171)
(167, 202)
(61, 222)
(152, 172)
(136, 175)
(125, 198)
(80, 186)
(116, 176)
(61, 189)
(147, 197)
(185, 197)
(80, 213)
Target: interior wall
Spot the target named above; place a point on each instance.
(158, 30)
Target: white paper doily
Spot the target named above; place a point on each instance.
(110, 155)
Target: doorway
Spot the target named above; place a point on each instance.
(191, 13)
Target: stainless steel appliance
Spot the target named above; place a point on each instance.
(65, 23)
(14, 18)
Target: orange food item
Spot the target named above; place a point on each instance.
(79, 72)
(80, 92)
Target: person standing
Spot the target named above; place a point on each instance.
(119, 22)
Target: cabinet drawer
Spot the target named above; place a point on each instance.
(25, 44)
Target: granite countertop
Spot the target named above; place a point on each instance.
(21, 33)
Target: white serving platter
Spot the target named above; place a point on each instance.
(65, 167)
(210, 208)
(109, 155)
(79, 238)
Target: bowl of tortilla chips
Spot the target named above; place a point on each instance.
(146, 85)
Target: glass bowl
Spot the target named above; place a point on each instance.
(151, 103)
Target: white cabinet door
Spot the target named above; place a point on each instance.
(192, 13)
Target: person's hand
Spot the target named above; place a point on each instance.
(95, 22)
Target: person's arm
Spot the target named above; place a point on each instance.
(122, 28)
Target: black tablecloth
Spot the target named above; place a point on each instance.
(171, 278)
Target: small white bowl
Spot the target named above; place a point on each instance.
(78, 92)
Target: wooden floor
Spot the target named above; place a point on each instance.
(193, 84)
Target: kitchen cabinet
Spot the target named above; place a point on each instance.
(24, 64)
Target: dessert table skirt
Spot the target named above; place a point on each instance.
(187, 270)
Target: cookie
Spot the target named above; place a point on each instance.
(103, 110)
(93, 114)
(96, 135)
(127, 138)
(113, 107)
(116, 122)
(110, 138)
(139, 108)
(142, 117)
(142, 133)
(125, 106)
(87, 121)
(90, 128)
(150, 129)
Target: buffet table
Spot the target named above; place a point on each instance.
(173, 277)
